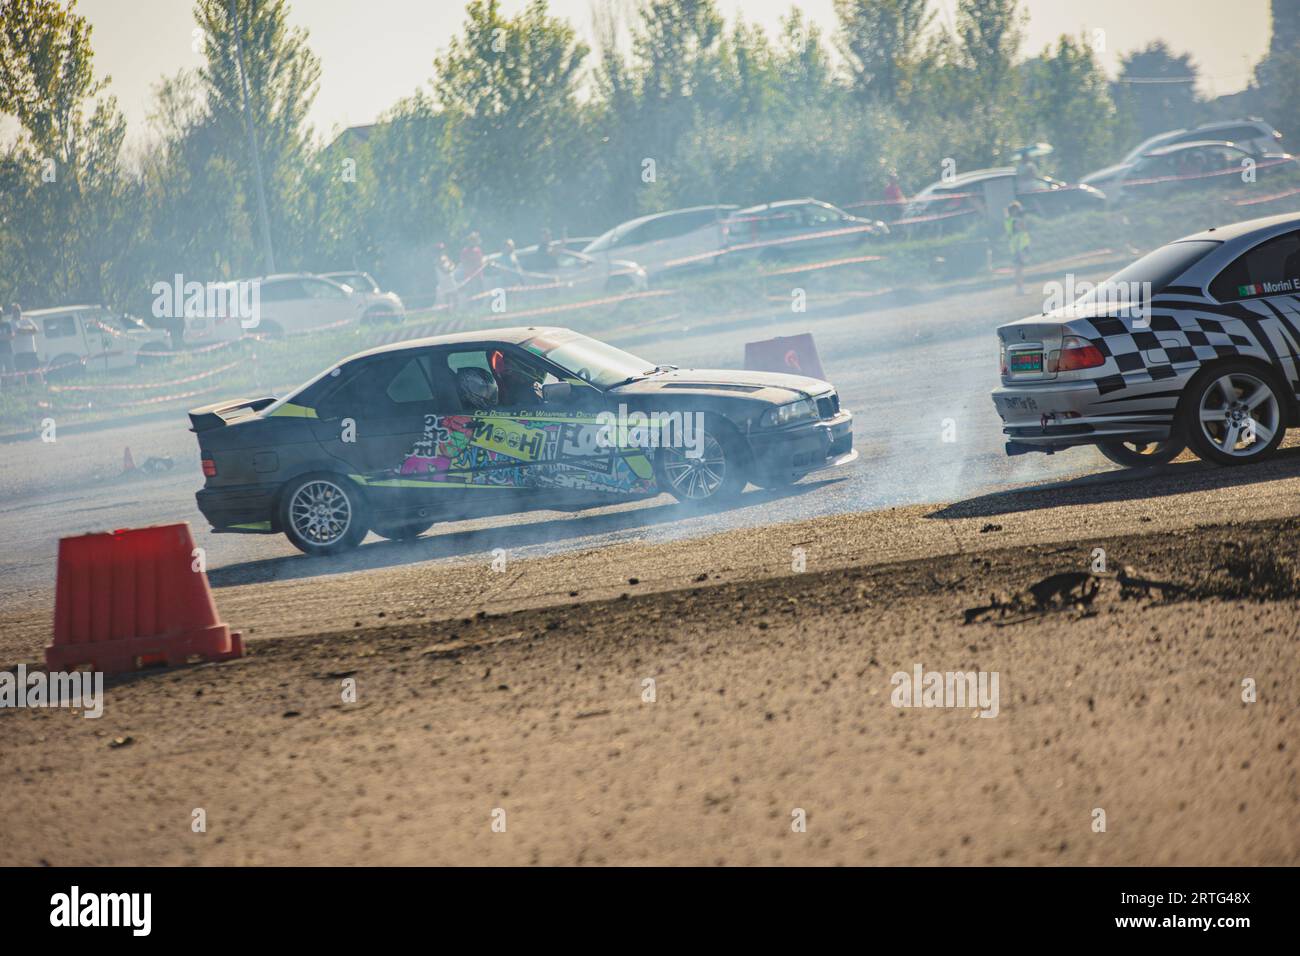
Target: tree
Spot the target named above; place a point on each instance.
(988, 35)
(507, 89)
(282, 75)
(1276, 73)
(1071, 106)
(67, 205)
(1157, 88)
(883, 44)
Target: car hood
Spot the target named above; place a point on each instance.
(775, 387)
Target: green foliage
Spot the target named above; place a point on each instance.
(523, 127)
(1071, 108)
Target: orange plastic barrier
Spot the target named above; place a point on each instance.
(132, 598)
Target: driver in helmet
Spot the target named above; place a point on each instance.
(477, 388)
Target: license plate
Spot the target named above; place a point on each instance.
(1026, 361)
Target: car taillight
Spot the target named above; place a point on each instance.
(1002, 358)
(209, 468)
(1077, 353)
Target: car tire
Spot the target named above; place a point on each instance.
(1142, 454)
(717, 476)
(340, 526)
(1213, 407)
(403, 532)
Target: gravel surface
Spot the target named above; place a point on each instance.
(772, 701)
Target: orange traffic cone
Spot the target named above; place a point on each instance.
(128, 463)
(133, 598)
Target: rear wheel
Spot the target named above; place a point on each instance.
(1234, 414)
(1137, 454)
(718, 474)
(322, 513)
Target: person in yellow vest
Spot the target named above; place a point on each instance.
(1017, 227)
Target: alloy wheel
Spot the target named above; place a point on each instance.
(321, 512)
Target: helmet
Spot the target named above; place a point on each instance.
(477, 387)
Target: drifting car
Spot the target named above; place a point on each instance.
(1196, 343)
(500, 421)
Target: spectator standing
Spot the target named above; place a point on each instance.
(546, 258)
(509, 259)
(1017, 229)
(471, 264)
(445, 272)
(894, 198)
(25, 361)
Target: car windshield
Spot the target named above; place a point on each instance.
(602, 365)
(1159, 268)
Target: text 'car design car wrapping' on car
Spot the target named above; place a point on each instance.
(1196, 343)
(493, 422)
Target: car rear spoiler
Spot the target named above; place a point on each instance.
(214, 416)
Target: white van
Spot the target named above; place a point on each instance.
(681, 239)
(71, 339)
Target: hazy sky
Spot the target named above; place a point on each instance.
(373, 52)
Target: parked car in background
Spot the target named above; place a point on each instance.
(683, 238)
(295, 304)
(380, 306)
(1193, 165)
(74, 339)
(989, 191)
(788, 227)
(1251, 134)
(567, 269)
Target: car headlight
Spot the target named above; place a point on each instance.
(798, 411)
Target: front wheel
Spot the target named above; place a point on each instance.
(1138, 454)
(1234, 414)
(717, 474)
(322, 514)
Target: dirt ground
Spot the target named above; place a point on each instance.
(771, 695)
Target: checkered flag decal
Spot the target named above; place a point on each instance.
(1139, 350)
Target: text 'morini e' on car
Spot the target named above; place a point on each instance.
(499, 421)
(1195, 344)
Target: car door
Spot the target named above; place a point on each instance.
(1266, 281)
(281, 307)
(562, 450)
(59, 340)
(328, 305)
(383, 422)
